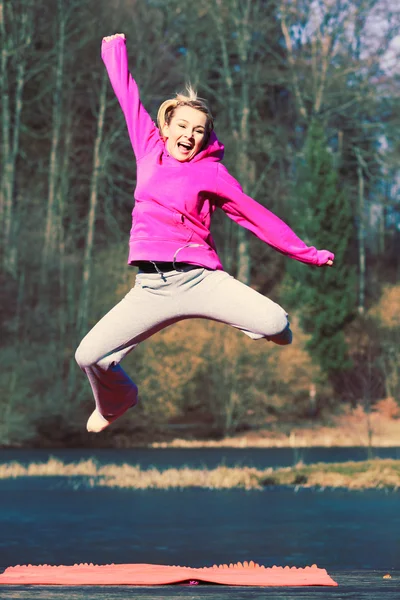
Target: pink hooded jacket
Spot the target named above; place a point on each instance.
(174, 201)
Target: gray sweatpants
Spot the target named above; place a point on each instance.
(156, 301)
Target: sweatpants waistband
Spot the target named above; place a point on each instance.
(147, 266)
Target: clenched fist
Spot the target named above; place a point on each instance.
(111, 37)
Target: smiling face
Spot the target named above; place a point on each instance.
(185, 133)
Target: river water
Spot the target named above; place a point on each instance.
(46, 520)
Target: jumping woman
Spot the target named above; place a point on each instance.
(180, 183)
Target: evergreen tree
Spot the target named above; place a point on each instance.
(326, 296)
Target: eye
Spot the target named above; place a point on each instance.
(182, 126)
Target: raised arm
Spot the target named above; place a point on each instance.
(264, 224)
(142, 131)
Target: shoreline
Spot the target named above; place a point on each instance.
(353, 429)
(293, 442)
(349, 431)
(378, 474)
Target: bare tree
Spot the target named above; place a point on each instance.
(245, 32)
(50, 235)
(94, 185)
(240, 13)
(16, 38)
(361, 232)
(234, 59)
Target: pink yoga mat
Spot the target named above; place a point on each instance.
(248, 573)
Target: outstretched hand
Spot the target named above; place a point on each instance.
(108, 38)
(329, 263)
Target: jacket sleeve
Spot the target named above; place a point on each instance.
(263, 223)
(142, 131)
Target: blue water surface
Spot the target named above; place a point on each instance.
(47, 520)
(164, 458)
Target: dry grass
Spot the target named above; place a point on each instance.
(377, 474)
(349, 429)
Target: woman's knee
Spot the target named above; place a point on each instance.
(84, 355)
(284, 338)
(281, 321)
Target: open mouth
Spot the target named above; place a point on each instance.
(184, 147)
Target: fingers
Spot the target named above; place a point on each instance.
(108, 38)
(329, 263)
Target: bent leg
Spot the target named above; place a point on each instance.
(131, 321)
(223, 298)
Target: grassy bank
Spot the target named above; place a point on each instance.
(371, 474)
(354, 427)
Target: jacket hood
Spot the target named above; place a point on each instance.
(214, 150)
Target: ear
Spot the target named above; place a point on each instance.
(165, 131)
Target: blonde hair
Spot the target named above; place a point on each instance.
(167, 110)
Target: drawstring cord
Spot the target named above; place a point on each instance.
(174, 259)
(182, 248)
(158, 270)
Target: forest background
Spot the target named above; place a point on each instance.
(306, 100)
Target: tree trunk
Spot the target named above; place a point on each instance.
(5, 197)
(244, 39)
(50, 237)
(62, 203)
(87, 261)
(238, 117)
(11, 391)
(293, 67)
(361, 236)
(243, 253)
(11, 123)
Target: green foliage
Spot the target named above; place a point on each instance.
(324, 219)
(233, 53)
